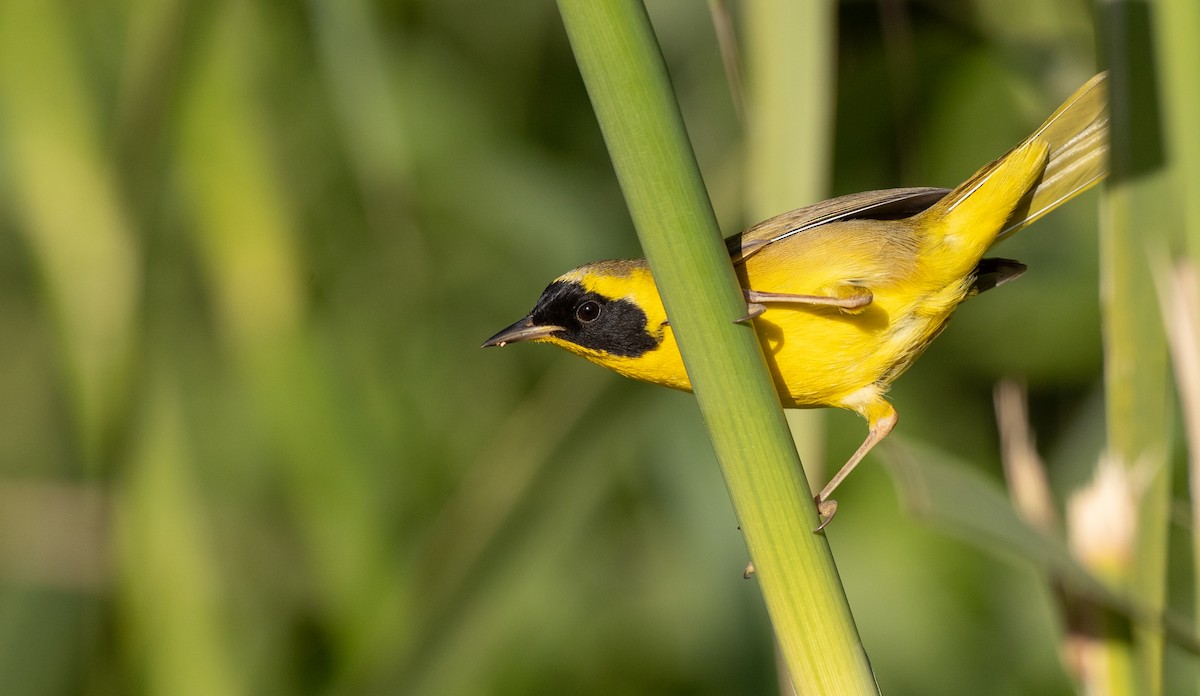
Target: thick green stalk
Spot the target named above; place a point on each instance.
(626, 78)
(1135, 218)
(789, 50)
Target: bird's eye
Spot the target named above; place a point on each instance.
(588, 312)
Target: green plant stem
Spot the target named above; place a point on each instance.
(1179, 55)
(790, 65)
(1136, 214)
(626, 78)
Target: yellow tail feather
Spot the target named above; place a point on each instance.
(964, 224)
(1077, 134)
(1064, 157)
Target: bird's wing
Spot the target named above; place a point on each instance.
(889, 204)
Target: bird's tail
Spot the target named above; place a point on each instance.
(1077, 134)
(1064, 157)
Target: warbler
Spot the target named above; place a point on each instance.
(846, 293)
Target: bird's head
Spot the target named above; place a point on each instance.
(608, 312)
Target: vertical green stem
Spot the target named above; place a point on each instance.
(1177, 26)
(1135, 220)
(1176, 29)
(790, 64)
(626, 78)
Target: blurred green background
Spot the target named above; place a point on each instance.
(249, 443)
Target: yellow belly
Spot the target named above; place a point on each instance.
(825, 356)
(822, 357)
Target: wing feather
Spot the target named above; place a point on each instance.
(889, 204)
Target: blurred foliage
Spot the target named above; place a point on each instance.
(248, 251)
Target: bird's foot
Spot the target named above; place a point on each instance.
(753, 310)
(826, 509)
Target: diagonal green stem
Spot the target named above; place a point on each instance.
(626, 78)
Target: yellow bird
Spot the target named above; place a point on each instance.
(846, 293)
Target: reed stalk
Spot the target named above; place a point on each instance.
(626, 78)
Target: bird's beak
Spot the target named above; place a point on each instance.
(523, 330)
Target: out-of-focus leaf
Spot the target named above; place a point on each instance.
(70, 211)
(958, 500)
(171, 587)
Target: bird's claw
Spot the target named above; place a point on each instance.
(826, 509)
(753, 311)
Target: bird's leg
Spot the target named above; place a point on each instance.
(857, 299)
(756, 302)
(879, 426)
